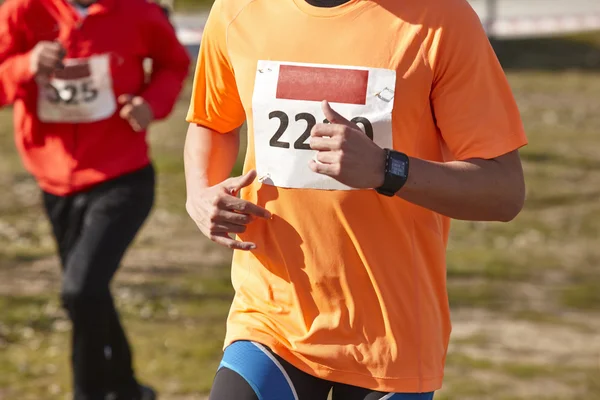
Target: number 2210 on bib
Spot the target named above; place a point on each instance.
(286, 104)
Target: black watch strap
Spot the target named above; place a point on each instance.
(396, 172)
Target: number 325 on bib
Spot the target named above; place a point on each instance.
(81, 93)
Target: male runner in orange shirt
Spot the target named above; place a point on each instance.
(371, 123)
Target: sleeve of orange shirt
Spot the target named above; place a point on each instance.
(14, 60)
(473, 103)
(215, 100)
(170, 63)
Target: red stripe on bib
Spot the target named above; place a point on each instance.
(76, 71)
(336, 85)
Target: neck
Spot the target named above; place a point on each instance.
(82, 3)
(326, 3)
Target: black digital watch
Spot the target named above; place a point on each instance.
(396, 172)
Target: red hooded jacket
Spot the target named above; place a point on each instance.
(70, 135)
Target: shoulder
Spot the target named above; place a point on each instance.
(433, 14)
(454, 16)
(141, 7)
(145, 11)
(15, 5)
(15, 9)
(453, 29)
(228, 10)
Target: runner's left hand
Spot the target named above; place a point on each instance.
(136, 111)
(345, 153)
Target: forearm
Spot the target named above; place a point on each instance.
(209, 156)
(170, 62)
(15, 73)
(162, 92)
(475, 190)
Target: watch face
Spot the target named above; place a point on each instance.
(397, 167)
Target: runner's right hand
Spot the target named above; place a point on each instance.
(218, 212)
(46, 57)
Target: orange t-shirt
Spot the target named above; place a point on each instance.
(349, 285)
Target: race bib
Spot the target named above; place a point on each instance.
(286, 104)
(80, 93)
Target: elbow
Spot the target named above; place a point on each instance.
(512, 204)
(510, 211)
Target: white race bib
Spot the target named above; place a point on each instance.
(80, 93)
(286, 104)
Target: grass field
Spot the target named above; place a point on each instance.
(525, 296)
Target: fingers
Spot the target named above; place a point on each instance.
(52, 55)
(231, 217)
(128, 114)
(336, 124)
(328, 130)
(224, 227)
(226, 199)
(332, 170)
(129, 98)
(129, 111)
(223, 222)
(326, 143)
(50, 62)
(54, 47)
(46, 57)
(219, 213)
(332, 116)
(61, 53)
(329, 157)
(135, 125)
(224, 240)
(126, 111)
(125, 99)
(236, 184)
(232, 203)
(138, 101)
(135, 111)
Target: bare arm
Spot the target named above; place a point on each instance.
(474, 190)
(208, 156)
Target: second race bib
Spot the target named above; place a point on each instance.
(286, 104)
(80, 93)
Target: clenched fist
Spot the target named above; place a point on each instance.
(47, 57)
(136, 111)
(345, 153)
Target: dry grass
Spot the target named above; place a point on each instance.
(525, 295)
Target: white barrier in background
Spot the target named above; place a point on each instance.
(545, 26)
(190, 27)
(502, 18)
(537, 18)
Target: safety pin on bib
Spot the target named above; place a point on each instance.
(386, 95)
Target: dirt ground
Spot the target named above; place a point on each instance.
(525, 296)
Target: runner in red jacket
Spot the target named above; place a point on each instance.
(73, 69)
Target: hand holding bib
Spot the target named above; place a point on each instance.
(345, 153)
